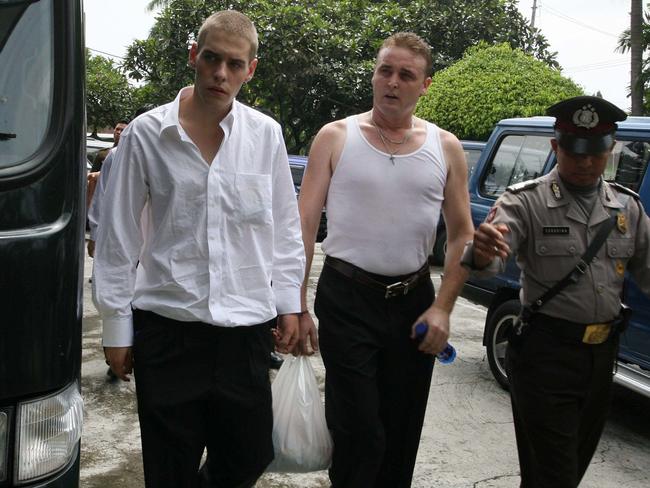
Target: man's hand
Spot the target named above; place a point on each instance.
(490, 242)
(120, 360)
(308, 343)
(287, 333)
(91, 248)
(437, 321)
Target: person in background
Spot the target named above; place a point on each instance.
(101, 156)
(561, 351)
(384, 175)
(188, 301)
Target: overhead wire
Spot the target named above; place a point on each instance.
(598, 65)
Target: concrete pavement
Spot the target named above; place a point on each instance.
(467, 441)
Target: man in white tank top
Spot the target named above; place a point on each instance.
(384, 176)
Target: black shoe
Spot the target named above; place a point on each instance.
(276, 360)
(111, 376)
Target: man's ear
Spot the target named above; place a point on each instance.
(554, 144)
(425, 85)
(193, 53)
(251, 69)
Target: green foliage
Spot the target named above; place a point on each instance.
(108, 93)
(491, 83)
(316, 56)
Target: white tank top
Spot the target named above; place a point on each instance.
(383, 217)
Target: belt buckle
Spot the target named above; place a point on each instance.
(396, 289)
(596, 333)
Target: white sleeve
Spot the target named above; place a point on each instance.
(119, 240)
(288, 250)
(94, 211)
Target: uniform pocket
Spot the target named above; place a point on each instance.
(555, 257)
(620, 248)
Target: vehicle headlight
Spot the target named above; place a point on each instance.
(48, 431)
(4, 438)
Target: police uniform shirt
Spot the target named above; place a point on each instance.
(549, 233)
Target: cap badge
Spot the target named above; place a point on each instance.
(555, 188)
(586, 117)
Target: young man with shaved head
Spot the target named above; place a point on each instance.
(189, 302)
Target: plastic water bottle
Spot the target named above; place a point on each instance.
(447, 355)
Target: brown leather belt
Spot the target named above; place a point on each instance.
(385, 284)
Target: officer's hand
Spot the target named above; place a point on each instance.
(490, 242)
(287, 333)
(120, 360)
(437, 335)
(308, 343)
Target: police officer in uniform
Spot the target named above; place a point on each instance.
(560, 355)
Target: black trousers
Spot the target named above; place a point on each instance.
(201, 386)
(560, 393)
(377, 383)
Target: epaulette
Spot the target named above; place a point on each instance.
(623, 189)
(524, 185)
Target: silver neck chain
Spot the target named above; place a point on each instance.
(385, 139)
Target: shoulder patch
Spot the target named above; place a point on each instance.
(623, 189)
(524, 185)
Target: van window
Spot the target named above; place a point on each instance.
(518, 158)
(627, 163)
(26, 88)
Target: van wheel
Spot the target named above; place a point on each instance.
(498, 329)
(440, 248)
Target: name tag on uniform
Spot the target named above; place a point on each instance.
(554, 231)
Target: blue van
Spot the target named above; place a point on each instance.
(519, 150)
(298, 164)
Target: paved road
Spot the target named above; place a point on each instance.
(468, 437)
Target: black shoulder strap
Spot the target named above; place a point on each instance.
(579, 269)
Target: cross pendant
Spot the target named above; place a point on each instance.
(392, 159)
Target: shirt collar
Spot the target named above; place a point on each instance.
(559, 195)
(171, 119)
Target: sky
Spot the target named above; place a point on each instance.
(583, 32)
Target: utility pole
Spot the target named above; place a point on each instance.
(636, 53)
(532, 18)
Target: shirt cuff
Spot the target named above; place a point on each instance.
(287, 300)
(117, 332)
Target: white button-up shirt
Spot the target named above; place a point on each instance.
(220, 243)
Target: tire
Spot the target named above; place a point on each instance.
(497, 330)
(440, 249)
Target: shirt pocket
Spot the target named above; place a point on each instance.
(253, 198)
(620, 248)
(554, 258)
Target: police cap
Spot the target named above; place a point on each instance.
(585, 125)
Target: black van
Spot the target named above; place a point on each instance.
(42, 213)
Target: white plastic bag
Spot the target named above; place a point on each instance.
(301, 440)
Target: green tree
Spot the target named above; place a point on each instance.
(108, 93)
(316, 56)
(491, 83)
